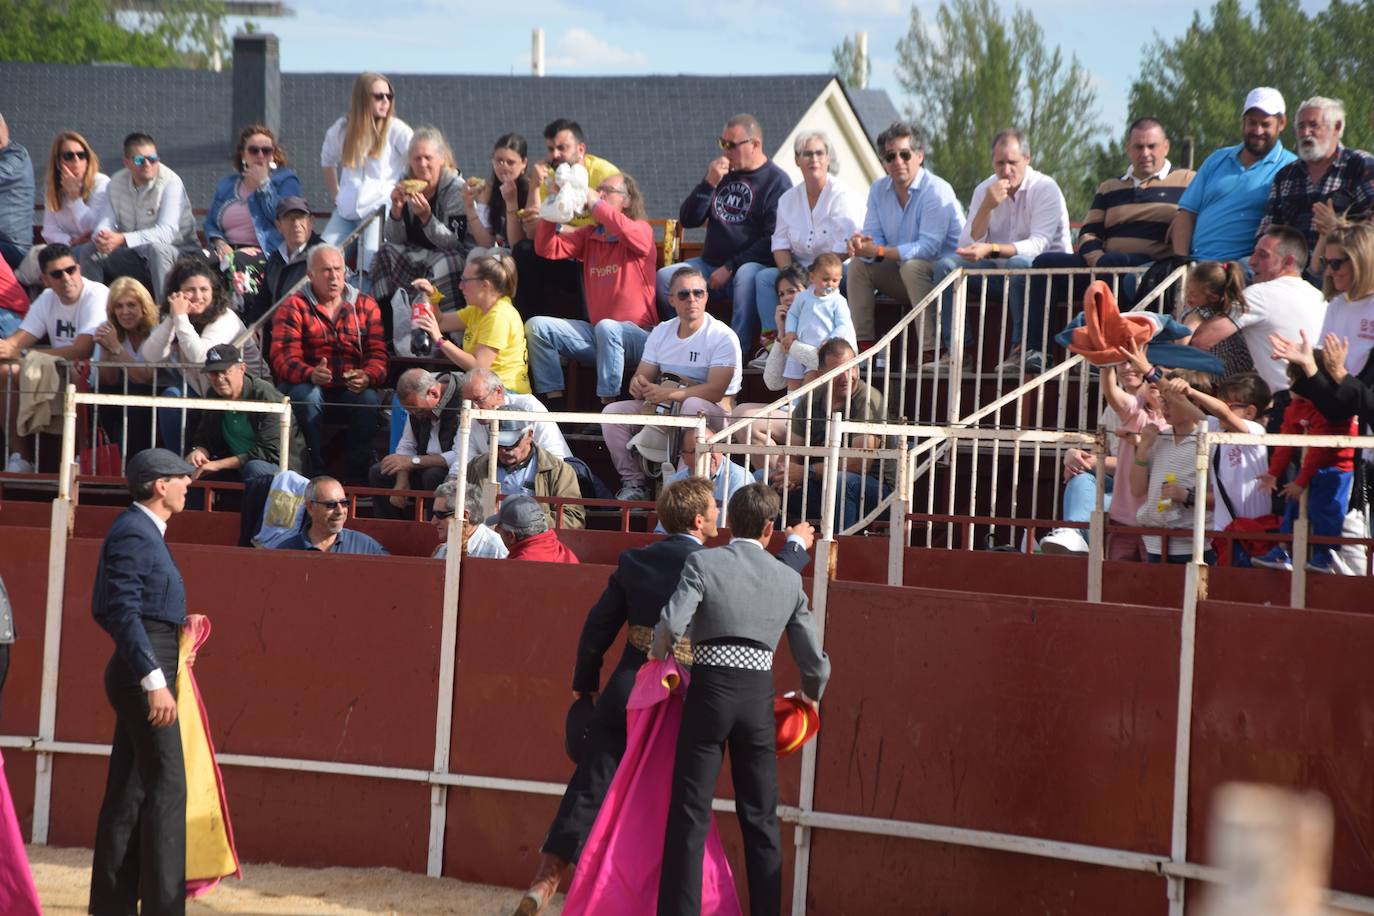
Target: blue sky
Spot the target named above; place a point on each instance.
(704, 36)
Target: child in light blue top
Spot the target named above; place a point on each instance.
(817, 315)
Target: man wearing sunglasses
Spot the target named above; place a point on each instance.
(326, 507)
(145, 222)
(737, 202)
(66, 314)
(913, 220)
(16, 199)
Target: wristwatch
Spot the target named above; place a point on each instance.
(415, 461)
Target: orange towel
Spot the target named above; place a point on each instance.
(1105, 328)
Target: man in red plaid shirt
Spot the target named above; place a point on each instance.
(329, 348)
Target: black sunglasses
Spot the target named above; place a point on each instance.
(442, 514)
(906, 155)
(71, 155)
(383, 95)
(331, 504)
(60, 272)
(259, 150)
(1334, 263)
(728, 145)
(687, 295)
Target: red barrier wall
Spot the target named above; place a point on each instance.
(1016, 713)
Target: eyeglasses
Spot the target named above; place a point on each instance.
(139, 159)
(378, 96)
(259, 150)
(891, 157)
(728, 145)
(71, 155)
(613, 189)
(469, 279)
(58, 273)
(441, 514)
(687, 295)
(331, 504)
(1334, 263)
(813, 153)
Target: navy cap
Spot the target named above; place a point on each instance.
(292, 204)
(154, 464)
(221, 357)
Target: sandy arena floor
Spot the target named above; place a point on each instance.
(64, 879)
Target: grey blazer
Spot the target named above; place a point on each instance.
(742, 591)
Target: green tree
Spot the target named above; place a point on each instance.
(181, 33)
(847, 63)
(976, 72)
(1197, 83)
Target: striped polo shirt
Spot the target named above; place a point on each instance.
(1131, 216)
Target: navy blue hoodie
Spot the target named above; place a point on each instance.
(739, 214)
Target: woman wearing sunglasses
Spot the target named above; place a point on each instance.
(364, 155)
(73, 188)
(241, 220)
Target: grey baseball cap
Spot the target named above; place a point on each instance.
(511, 430)
(520, 513)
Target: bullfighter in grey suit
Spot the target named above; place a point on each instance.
(734, 602)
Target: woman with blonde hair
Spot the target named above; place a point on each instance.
(363, 156)
(73, 188)
(130, 316)
(493, 334)
(426, 234)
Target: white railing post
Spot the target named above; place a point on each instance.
(284, 443)
(1302, 532)
(896, 518)
(1097, 533)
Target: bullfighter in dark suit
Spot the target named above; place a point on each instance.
(634, 597)
(735, 602)
(139, 599)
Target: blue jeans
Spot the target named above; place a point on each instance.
(1080, 496)
(1061, 291)
(608, 345)
(1328, 499)
(309, 402)
(253, 469)
(339, 227)
(853, 490)
(169, 421)
(744, 318)
(1016, 295)
(9, 322)
(766, 294)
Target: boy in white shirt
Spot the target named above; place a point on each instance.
(817, 315)
(66, 314)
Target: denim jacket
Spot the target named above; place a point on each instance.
(262, 206)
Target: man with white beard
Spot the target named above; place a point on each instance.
(1327, 184)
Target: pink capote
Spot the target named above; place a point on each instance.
(209, 838)
(618, 872)
(18, 896)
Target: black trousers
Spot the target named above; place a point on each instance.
(547, 287)
(735, 707)
(140, 837)
(601, 755)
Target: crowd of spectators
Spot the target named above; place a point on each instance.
(473, 274)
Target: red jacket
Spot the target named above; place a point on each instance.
(354, 339)
(619, 263)
(1303, 419)
(12, 295)
(546, 548)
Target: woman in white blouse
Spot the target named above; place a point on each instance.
(814, 217)
(363, 156)
(195, 317)
(72, 191)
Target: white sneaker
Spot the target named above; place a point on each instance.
(760, 360)
(1062, 541)
(634, 493)
(18, 464)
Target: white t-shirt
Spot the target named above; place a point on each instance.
(713, 346)
(1282, 306)
(367, 187)
(1238, 470)
(1355, 322)
(62, 324)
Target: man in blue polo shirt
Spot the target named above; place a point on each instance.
(1219, 214)
(326, 507)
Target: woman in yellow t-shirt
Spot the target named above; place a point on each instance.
(493, 332)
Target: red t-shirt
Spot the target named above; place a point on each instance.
(12, 295)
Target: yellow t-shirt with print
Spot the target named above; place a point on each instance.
(501, 329)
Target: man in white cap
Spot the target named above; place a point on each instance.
(1219, 215)
(523, 467)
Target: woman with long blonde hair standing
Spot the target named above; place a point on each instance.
(363, 156)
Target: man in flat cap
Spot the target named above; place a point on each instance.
(139, 599)
(524, 527)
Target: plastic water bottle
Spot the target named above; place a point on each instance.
(420, 342)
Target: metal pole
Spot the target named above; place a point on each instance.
(1097, 533)
(448, 651)
(896, 519)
